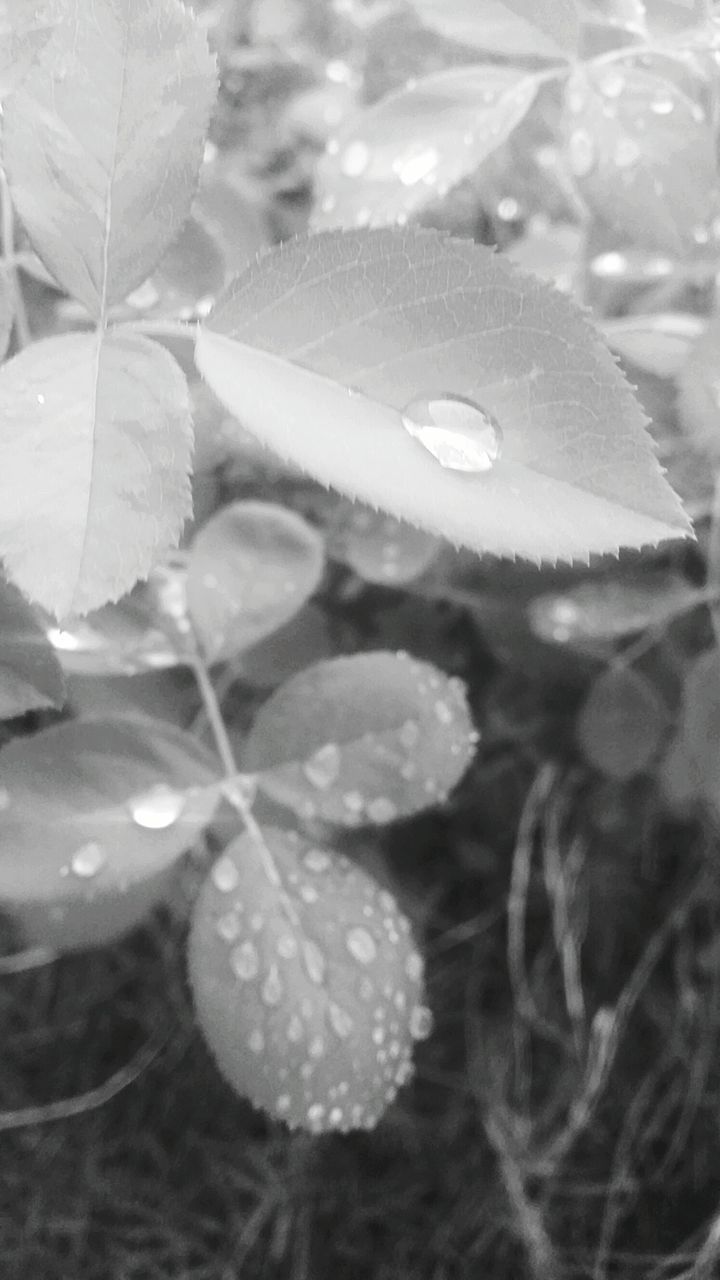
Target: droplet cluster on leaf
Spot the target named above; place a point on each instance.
(309, 992)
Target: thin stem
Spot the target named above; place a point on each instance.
(7, 219)
(183, 329)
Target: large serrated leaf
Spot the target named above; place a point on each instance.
(103, 141)
(95, 448)
(519, 28)
(399, 154)
(395, 314)
(362, 739)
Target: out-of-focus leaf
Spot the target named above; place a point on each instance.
(551, 252)
(7, 312)
(305, 639)
(95, 447)
(362, 739)
(377, 546)
(621, 723)
(401, 314)
(659, 343)
(642, 153)
(609, 610)
(399, 154)
(519, 28)
(102, 142)
(698, 400)
(97, 813)
(30, 675)
(226, 212)
(190, 272)
(250, 568)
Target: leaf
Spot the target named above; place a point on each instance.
(610, 609)
(699, 736)
(517, 28)
(30, 675)
(305, 639)
(399, 313)
(97, 813)
(7, 312)
(621, 723)
(95, 446)
(25, 29)
(698, 399)
(378, 547)
(251, 567)
(307, 985)
(189, 275)
(103, 142)
(658, 344)
(362, 739)
(642, 154)
(396, 156)
(225, 210)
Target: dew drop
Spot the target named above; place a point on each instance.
(414, 966)
(225, 875)
(508, 209)
(287, 947)
(272, 988)
(355, 159)
(295, 1031)
(88, 860)
(443, 712)
(410, 734)
(316, 1048)
(4, 799)
(458, 433)
(421, 1022)
(256, 1041)
(340, 1021)
(361, 945)
(418, 167)
(309, 894)
(316, 860)
(612, 83)
(662, 105)
(353, 801)
(627, 152)
(316, 1115)
(314, 961)
(245, 961)
(322, 769)
(581, 153)
(381, 810)
(157, 808)
(283, 1103)
(228, 927)
(336, 1117)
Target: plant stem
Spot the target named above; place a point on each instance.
(7, 218)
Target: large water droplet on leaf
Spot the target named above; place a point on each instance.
(157, 808)
(87, 861)
(457, 432)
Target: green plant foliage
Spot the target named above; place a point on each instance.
(30, 675)
(520, 28)
(621, 723)
(362, 739)
(307, 983)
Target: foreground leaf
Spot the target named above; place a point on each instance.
(30, 675)
(95, 446)
(103, 142)
(362, 739)
(313, 1014)
(97, 813)
(398, 315)
(251, 567)
(399, 154)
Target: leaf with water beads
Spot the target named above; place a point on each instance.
(96, 815)
(362, 739)
(610, 609)
(642, 153)
(393, 158)
(30, 675)
(307, 983)
(621, 723)
(251, 567)
(515, 28)
(322, 344)
(377, 546)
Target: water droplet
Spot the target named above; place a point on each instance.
(387, 901)
(316, 1048)
(443, 712)
(314, 961)
(245, 961)
(457, 432)
(4, 799)
(40, 398)
(295, 1031)
(627, 152)
(336, 1117)
(228, 927)
(381, 810)
(414, 966)
(88, 860)
(508, 209)
(316, 1115)
(309, 894)
(340, 1021)
(316, 860)
(404, 1072)
(663, 105)
(361, 945)
(421, 1022)
(418, 167)
(225, 875)
(283, 1103)
(353, 801)
(581, 153)
(287, 947)
(612, 82)
(323, 767)
(157, 808)
(410, 734)
(272, 989)
(355, 159)
(256, 1041)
